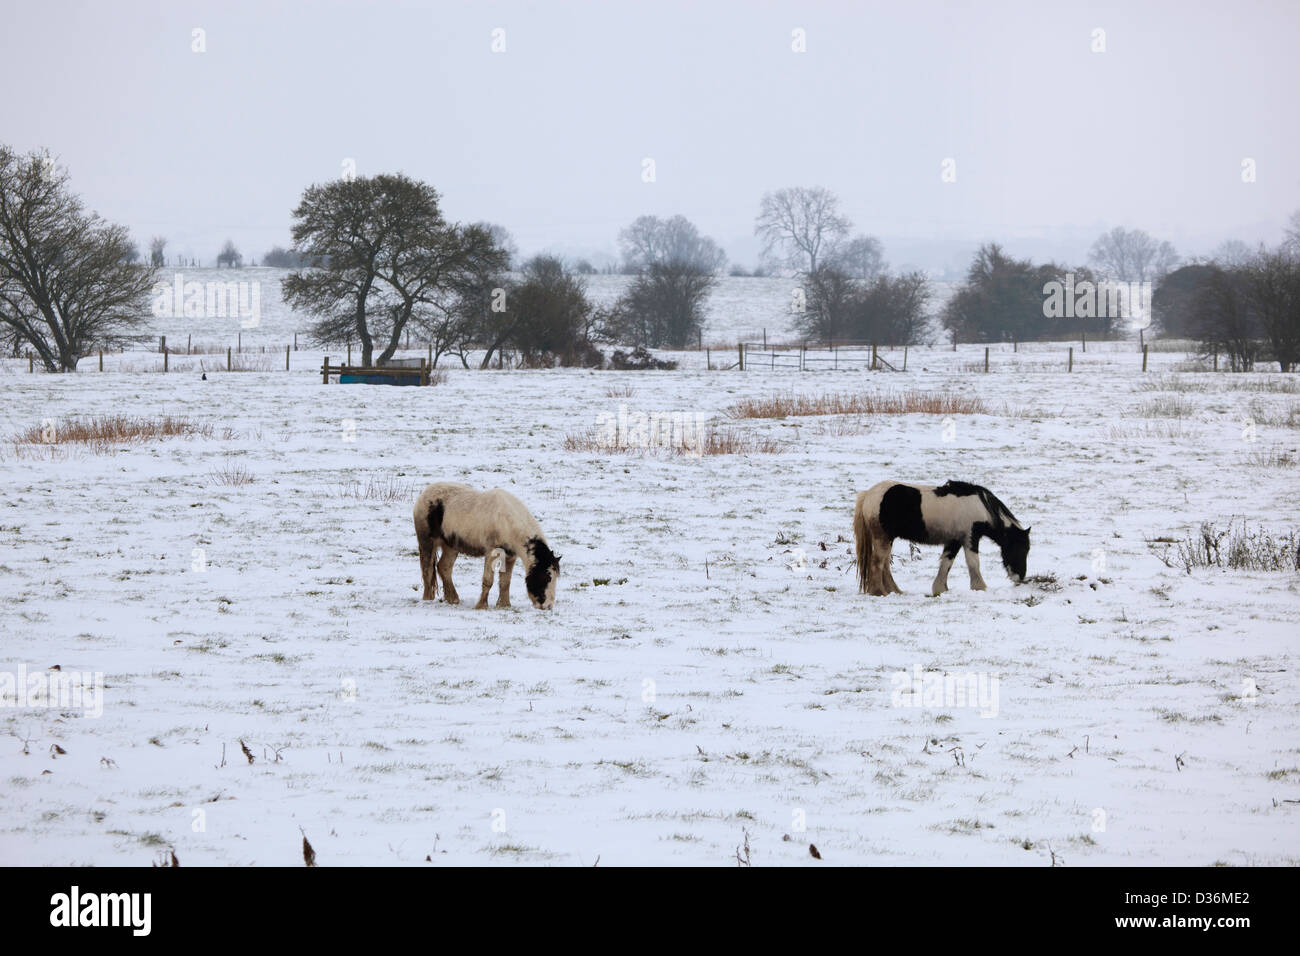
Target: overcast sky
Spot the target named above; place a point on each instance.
(1052, 142)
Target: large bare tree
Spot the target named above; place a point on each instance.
(650, 241)
(384, 252)
(800, 226)
(67, 282)
(1125, 255)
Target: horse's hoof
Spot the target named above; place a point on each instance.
(453, 600)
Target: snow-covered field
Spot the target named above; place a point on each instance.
(709, 674)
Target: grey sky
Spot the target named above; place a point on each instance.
(1052, 142)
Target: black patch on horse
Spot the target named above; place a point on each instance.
(544, 566)
(981, 529)
(462, 546)
(999, 514)
(900, 513)
(961, 489)
(435, 519)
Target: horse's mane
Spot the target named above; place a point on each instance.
(999, 513)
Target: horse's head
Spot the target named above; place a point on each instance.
(543, 570)
(1015, 552)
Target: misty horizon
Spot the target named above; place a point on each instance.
(1052, 142)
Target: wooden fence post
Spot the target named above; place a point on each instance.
(708, 360)
(1144, 358)
(1084, 337)
(986, 359)
(227, 358)
(101, 360)
(295, 341)
(325, 371)
(165, 360)
(1070, 367)
(162, 343)
(904, 358)
(740, 350)
(239, 341)
(1015, 344)
(764, 340)
(1142, 344)
(188, 340)
(424, 373)
(286, 358)
(1216, 360)
(31, 363)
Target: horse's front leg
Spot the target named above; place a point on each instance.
(491, 562)
(503, 582)
(973, 566)
(945, 563)
(445, 562)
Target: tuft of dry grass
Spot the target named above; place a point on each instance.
(112, 429)
(850, 403)
(231, 474)
(709, 440)
(1275, 457)
(1166, 406)
(620, 391)
(1174, 429)
(1237, 546)
(387, 490)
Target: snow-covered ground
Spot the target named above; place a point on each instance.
(699, 682)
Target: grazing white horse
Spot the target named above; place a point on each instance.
(955, 515)
(494, 525)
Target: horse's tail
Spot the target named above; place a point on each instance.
(863, 536)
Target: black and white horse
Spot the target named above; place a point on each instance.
(956, 515)
(453, 519)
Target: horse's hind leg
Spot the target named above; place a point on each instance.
(445, 562)
(945, 563)
(503, 582)
(879, 563)
(428, 576)
(887, 576)
(973, 566)
(490, 562)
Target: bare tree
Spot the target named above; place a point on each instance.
(1231, 254)
(229, 256)
(1132, 256)
(1291, 243)
(650, 240)
(1272, 284)
(862, 257)
(800, 226)
(66, 284)
(157, 252)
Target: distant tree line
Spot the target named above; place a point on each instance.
(1245, 308)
